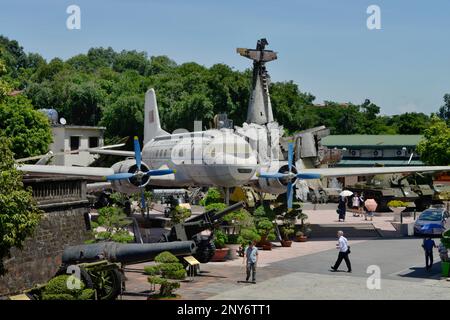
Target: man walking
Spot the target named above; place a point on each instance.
(428, 245)
(344, 250)
(251, 258)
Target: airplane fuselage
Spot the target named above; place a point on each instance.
(213, 157)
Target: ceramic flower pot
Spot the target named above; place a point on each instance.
(220, 254)
(286, 243)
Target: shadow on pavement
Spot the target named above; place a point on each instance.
(422, 273)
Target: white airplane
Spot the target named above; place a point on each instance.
(224, 157)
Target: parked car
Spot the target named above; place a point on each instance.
(431, 222)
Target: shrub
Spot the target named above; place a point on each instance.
(215, 206)
(151, 270)
(179, 214)
(168, 267)
(248, 234)
(212, 196)
(397, 204)
(166, 257)
(166, 287)
(220, 238)
(57, 289)
(287, 230)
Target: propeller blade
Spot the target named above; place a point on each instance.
(306, 176)
(119, 176)
(290, 155)
(289, 195)
(142, 199)
(275, 175)
(160, 172)
(137, 153)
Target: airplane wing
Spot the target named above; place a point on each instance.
(342, 172)
(91, 150)
(122, 153)
(97, 172)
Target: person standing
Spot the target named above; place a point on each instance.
(342, 207)
(251, 259)
(428, 245)
(344, 251)
(355, 204)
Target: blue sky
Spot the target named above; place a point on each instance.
(323, 46)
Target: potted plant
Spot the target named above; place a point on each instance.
(220, 239)
(286, 232)
(300, 236)
(265, 229)
(397, 207)
(236, 221)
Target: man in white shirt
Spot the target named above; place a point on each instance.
(344, 251)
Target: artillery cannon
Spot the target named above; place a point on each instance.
(101, 265)
(194, 227)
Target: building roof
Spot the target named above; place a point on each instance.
(372, 163)
(78, 127)
(361, 140)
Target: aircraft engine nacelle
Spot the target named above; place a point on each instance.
(275, 185)
(131, 185)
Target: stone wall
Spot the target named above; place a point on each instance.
(64, 223)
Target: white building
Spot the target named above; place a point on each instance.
(69, 138)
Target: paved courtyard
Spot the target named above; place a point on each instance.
(302, 272)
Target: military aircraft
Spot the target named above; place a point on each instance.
(225, 157)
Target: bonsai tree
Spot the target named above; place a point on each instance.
(179, 214)
(238, 220)
(212, 196)
(114, 222)
(220, 239)
(287, 230)
(248, 234)
(167, 269)
(266, 230)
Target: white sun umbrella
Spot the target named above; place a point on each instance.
(346, 193)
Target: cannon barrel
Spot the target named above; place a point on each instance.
(124, 253)
(221, 214)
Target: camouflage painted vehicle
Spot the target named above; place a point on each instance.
(387, 187)
(442, 193)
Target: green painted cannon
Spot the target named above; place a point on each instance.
(100, 265)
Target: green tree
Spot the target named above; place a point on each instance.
(124, 117)
(19, 214)
(434, 148)
(444, 111)
(28, 129)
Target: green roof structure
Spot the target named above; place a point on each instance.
(360, 140)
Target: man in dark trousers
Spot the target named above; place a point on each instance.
(250, 260)
(428, 245)
(344, 250)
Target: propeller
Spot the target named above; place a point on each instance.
(139, 174)
(290, 176)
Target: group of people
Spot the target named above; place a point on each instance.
(251, 255)
(357, 203)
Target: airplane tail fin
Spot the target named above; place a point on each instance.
(152, 125)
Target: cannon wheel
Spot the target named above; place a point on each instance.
(108, 283)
